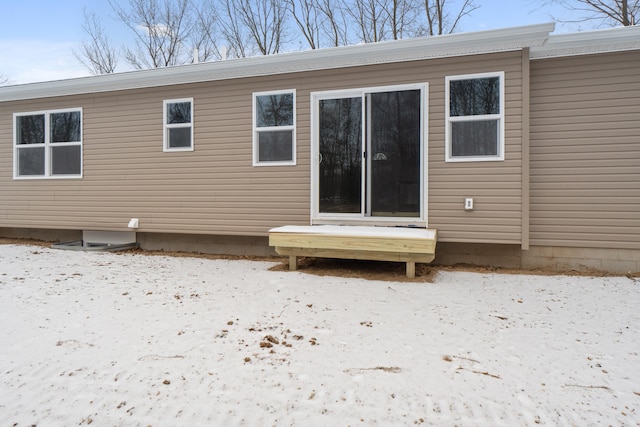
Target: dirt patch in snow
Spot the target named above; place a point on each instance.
(369, 270)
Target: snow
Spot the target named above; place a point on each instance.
(351, 230)
(132, 339)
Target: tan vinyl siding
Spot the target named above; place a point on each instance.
(495, 186)
(585, 151)
(216, 190)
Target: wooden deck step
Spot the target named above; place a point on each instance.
(409, 245)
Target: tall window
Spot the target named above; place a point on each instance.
(475, 117)
(48, 144)
(178, 125)
(274, 136)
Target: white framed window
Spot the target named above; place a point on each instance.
(474, 117)
(274, 128)
(178, 124)
(48, 144)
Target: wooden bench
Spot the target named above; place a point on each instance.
(409, 245)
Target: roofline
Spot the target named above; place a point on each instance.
(589, 42)
(536, 37)
(344, 56)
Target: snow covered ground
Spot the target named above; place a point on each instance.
(137, 340)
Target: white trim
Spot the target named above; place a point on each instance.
(589, 42)
(166, 126)
(256, 131)
(499, 117)
(361, 218)
(47, 145)
(448, 45)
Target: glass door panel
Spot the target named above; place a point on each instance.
(394, 120)
(340, 146)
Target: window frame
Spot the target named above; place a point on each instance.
(47, 145)
(449, 120)
(166, 127)
(256, 130)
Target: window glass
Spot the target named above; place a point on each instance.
(274, 128)
(30, 129)
(179, 112)
(394, 133)
(65, 126)
(178, 125)
(477, 138)
(66, 160)
(340, 151)
(275, 146)
(48, 144)
(31, 161)
(475, 117)
(474, 97)
(274, 110)
(179, 137)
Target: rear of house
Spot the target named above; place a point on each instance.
(520, 148)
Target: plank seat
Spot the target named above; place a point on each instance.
(399, 244)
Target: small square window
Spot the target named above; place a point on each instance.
(475, 117)
(274, 120)
(178, 125)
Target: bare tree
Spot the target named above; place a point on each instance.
(166, 32)
(163, 32)
(205, 33)
(441, 20)
(370, 18)
(379, 20)
(333, 25)
(98, 53)
(265, 21)
(308, 17)
(402, 17)
(232, 30)
(603, 12)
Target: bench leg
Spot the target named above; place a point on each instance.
(293, 263)
(411, 269)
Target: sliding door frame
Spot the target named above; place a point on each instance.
(363, 217)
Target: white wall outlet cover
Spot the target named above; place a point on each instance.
(468, 203)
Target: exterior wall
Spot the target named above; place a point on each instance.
(215, 190)
(496, 187)
(585, 151)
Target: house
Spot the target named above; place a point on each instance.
(521, 148)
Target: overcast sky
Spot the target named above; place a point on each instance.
(37, 37)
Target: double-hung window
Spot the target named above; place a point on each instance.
(48, 144)
(274, 133)
(178, 125)
(475, 117)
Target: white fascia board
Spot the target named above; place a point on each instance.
(449, 45)
(589, 42)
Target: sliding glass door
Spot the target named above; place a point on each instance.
(394, 142)
(369, 146)
(340, 144)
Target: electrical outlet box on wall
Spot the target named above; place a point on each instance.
(468, 204)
